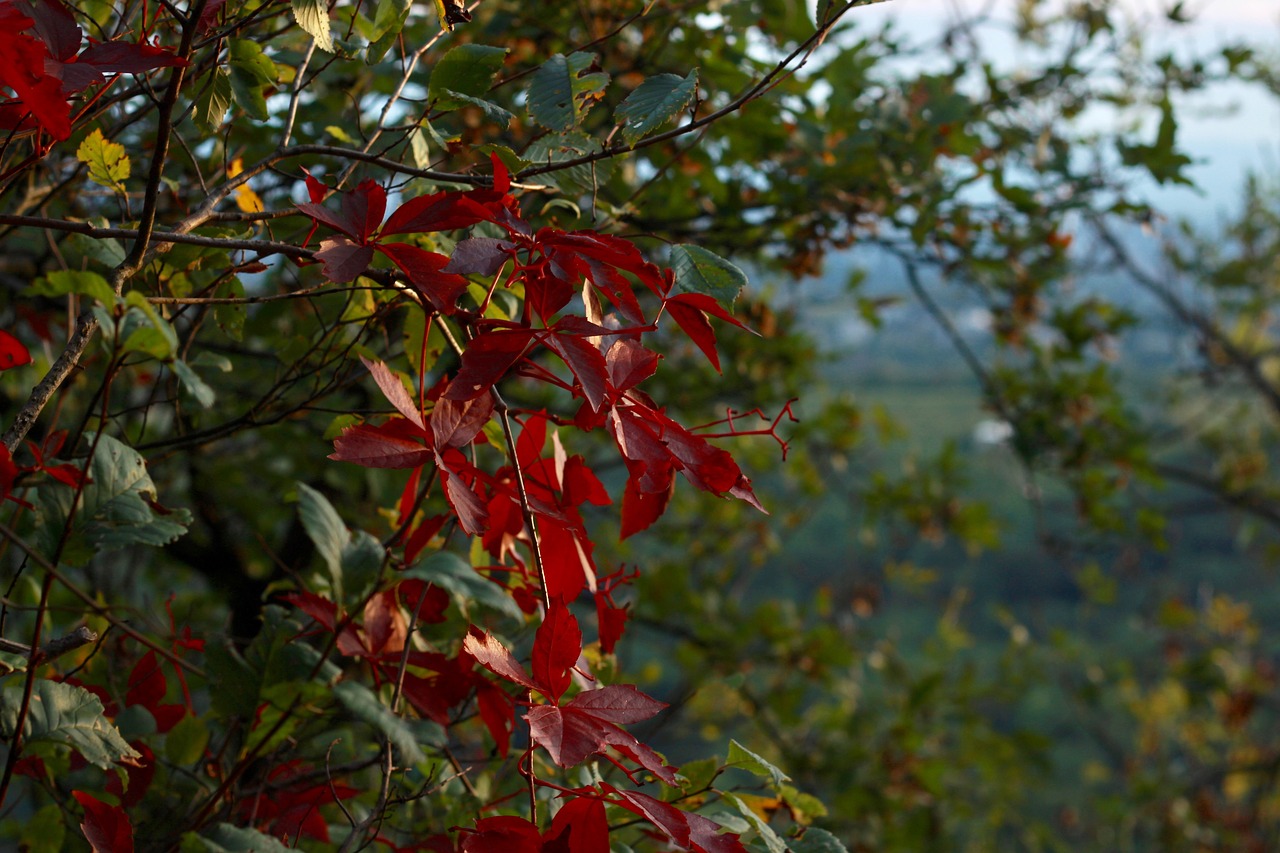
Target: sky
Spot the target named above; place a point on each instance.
(1228, 130)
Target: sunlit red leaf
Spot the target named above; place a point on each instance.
(496, 658)
(580, 826)
(556, 647)
(425, 271)
(454, 423)
(502, 834)
(616, 703)
(479, 256)
(393, 389)
(343, 260)
(467, 505)
(106, 827)
(385, 627)
(379, 447)
(487, 359)
(585, 361)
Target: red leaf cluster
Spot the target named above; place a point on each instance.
(42, 64)
(588, 724)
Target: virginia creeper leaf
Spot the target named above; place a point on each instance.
(395, 392)
(495, 657)
(556, 647)
(106, 827)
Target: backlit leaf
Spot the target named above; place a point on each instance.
(313, 16)
(701, 271)
(107, 161)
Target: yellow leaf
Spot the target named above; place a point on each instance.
(246, 199)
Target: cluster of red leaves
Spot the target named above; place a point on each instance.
(42, 64)
(606, 362)
(65, 472)
(528, 513)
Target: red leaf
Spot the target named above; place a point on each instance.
(480, 256)
(421, 536)
(454, 423)
(501, 177)
(498, 713)
(611, 621)
(106, 827)
(317, 189)
(384, 625)
(695, 325)
(139, 773)
(579, 826)
(379, 447)
(503, 834)
(442, 211)
(426, 600)
(12, 352)
(496, 658)
(566, 557)
(22, 69)
(467, 505)
(393, 389)
(54, 25)
(616, 703)
(629, 364)
(362, 210)
(666, 817)
(343, 260)
(556, 648)
(706, 837)
(147, 687)
(586, 363)
(122, 57)
(425, 271)
(487, 359)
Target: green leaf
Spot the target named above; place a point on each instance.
(453, 574)
(313, 16)
(185, 743)
(362, 560)
(191, 380)
(118, 506)
(772, 841)
(558, 147)
(388, 21)
(213, 102)
(62, 282)
(107, 161)
(63, 713)
(251, 70)
(44, 831)
(230, 318)
(419, 150)
(817, 840)
(225, 838)
(325, 528)
(364, 705)
(106, 251)
(701, 271)
(562, 90)
(492, 111)
(466, 70)
(654, 103)
(137, 301)
(744, 759)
